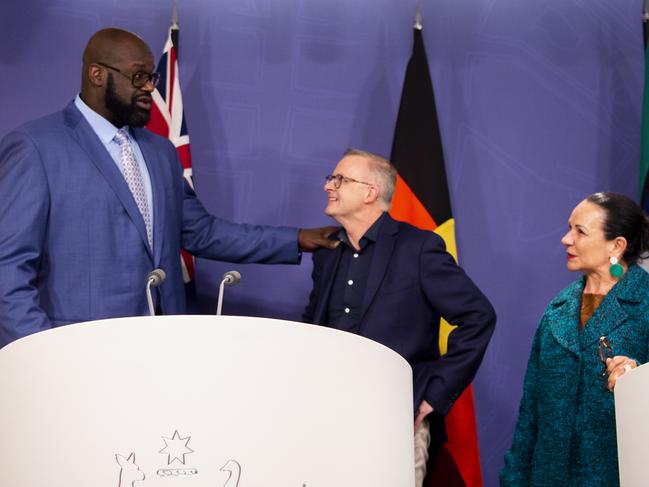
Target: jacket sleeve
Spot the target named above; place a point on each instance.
(24, 208)
(518, 460)
(308, 316)
(459, 301)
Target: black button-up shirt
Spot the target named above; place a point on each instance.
(344, 311)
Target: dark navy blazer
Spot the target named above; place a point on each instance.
(414, 281)
(73, 243)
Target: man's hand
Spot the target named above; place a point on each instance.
(309, 239)
(424, 410)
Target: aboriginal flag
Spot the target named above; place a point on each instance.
(422, 199)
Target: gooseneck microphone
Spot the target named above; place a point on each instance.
(230, 278)
(153, 279)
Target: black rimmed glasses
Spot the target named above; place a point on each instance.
(139, 79)
(605, 352)
(338, 180)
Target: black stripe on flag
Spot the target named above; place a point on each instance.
(417, 147)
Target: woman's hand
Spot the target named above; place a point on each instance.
(617, 367)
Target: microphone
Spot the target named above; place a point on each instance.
(230, 278)
(153, 279)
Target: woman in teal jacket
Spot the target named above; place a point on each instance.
(565, 433)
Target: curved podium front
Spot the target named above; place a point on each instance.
(632, 424)
(203, 401)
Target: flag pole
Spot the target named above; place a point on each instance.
(174, 29)
(174, 18)
(419, 26)
(644, 137)
(645, 21)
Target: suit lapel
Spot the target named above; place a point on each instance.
(563, 319)
(87, 139)
(608, 316)
(157, 188)
(380, 261)
(611, 313)
(329, 267)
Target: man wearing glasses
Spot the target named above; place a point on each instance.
(91, 202)
(391, 282)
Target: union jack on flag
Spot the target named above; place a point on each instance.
(168, 118)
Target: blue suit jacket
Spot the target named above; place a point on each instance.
(413, 281)
(73, 244)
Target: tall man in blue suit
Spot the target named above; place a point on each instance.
(90, 203)
(391, 282)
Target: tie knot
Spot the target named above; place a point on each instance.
(121, 137)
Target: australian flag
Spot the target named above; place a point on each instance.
(168, 117)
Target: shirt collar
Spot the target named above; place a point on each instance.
(371, 235)
(103, 128)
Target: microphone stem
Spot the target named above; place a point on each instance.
(149, 299)
(220, 301)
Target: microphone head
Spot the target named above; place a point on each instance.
(231, 278)
(156, 277)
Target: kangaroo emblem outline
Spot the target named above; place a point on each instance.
(129, 472)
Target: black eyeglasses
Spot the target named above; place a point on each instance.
(605, 352)
(139, 79)
(338, 179)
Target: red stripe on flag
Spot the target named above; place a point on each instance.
(188, 259)
(458, 463)
(185, 156)
(157, 123)
(407, 207)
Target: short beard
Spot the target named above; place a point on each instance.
(124, 113)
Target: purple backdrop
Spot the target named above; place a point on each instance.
(539, 105)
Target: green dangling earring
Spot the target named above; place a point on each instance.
(616, 269)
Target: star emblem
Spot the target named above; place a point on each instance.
(176, 448)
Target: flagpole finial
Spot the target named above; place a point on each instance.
(418, 25)
(174, 17)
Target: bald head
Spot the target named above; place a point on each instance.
(114, 47)
(114, 62)
(113, 44)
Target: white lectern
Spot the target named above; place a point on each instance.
(203, 401)
(632, 422)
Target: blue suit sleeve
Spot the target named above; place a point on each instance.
(207, 236)
(518, 460)
(308, 316)
(24, 208)
(459, 301)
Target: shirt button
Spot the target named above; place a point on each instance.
(347, 310)
(350, 282)
(355, 256)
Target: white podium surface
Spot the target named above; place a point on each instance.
(632, 424)
(204, 401)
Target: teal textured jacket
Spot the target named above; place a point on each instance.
(565, 433)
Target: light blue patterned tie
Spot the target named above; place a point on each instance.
(133, 177)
